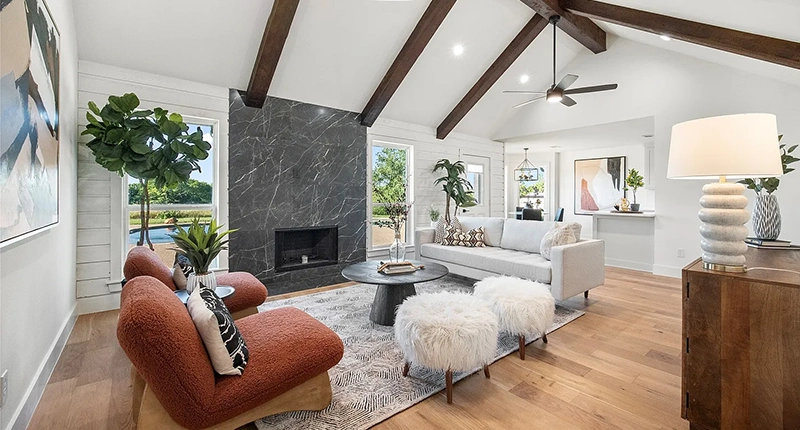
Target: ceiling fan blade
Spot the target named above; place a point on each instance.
(523, 92)
(527, 102)
(593, 89)
(568, 102)
(566, 81)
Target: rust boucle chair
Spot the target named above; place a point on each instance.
(174, 382)
(250, 292)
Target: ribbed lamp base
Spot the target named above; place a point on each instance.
(723, 215)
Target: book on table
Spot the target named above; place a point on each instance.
(789, 247)
(766, 242)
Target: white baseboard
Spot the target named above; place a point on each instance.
(672, 272)
(633, 265)
(90, 305)
(22, 416)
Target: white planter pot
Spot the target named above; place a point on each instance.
(207, 280)
(433, 223)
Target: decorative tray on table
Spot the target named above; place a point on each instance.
(627, 212)
(398, 268)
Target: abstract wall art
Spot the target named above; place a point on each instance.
(599, 184)
(29, 131)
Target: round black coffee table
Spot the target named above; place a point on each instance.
(392, 289)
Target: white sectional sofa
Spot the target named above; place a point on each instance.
(513, 249)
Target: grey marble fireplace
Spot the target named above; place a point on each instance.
(295, 166)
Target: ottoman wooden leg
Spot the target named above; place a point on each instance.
(448, 377)
(486, 371)
(544, 337)
(405, 368)
(522, 347)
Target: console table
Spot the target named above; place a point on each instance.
(741, 345)
(629, 238)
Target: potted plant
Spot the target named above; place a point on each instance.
(455, 186)
(434, 214)
(766, 212)
(634, 181)
(149, 145)
(393, 200)
(200, 245)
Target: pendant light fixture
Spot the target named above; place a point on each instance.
(526, 171)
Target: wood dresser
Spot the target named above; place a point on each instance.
(741, 352)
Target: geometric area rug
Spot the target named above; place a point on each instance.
(368, 384)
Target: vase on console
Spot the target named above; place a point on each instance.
(767, 217)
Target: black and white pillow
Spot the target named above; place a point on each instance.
(224, 343)
(474, 238)
(441, 228)
(181, 270)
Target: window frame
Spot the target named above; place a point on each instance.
(410, 225)
(216, 191)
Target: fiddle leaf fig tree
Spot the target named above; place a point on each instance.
(455, 186)
(149, 145)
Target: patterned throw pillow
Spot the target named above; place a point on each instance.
(441, 226)
(474, 238)
(224, 343)
(558, 235)
(453, 236)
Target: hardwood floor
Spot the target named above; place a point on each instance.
(617, 367)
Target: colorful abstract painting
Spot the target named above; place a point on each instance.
(599, 184)
(29, 132)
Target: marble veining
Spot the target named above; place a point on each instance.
(294, 164)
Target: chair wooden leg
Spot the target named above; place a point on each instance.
(448, 377)
(544, 337)
(586, 294)
(522, 347)
(405, 368)
(486, 371)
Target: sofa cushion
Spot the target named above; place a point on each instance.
(525, 236)
(492, 228)
(493, 259)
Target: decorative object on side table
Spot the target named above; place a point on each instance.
(634, 181)
(153, 146)
(454, 186)
(724, 147)
(201, 246)
(393, 200)
(766, 212)
(434, 214)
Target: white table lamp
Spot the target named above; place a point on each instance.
(725, 147)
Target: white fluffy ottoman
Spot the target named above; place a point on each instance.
(448, 331)
(524, 308)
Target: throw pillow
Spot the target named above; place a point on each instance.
(576, 230)
(558, 235)
(181, 270)
(453, 236)
(474, 238)
(224, 343)
(441, 226)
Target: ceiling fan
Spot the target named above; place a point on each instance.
(560, 92)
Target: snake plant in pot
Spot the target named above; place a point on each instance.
(201, 245)
(766, 212)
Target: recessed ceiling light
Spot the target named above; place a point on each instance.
(523, 79)
(458, 50)
(665, 37)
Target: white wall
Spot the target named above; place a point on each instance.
(566, 172)
(672, 88)
(37, 274)
(101, 214)
(428, 150)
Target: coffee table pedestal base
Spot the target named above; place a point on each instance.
(387, 299)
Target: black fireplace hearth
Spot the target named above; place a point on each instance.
(306, 247)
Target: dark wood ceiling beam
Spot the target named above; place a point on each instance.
(579, 28)
(764, 48)
(426, 27)
(492, 74)
(275, 34)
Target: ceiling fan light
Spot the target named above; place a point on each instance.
(554, 97)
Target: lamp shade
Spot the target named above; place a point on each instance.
(736, 146)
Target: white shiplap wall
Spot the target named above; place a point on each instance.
(101, 207)
(428, 150)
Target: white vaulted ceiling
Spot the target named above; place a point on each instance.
(338, 50)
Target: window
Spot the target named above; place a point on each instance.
(388, 171)
(532, 193)
(195, 198)
(475, 178)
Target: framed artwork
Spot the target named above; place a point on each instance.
(599, 184)
(29, 131)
